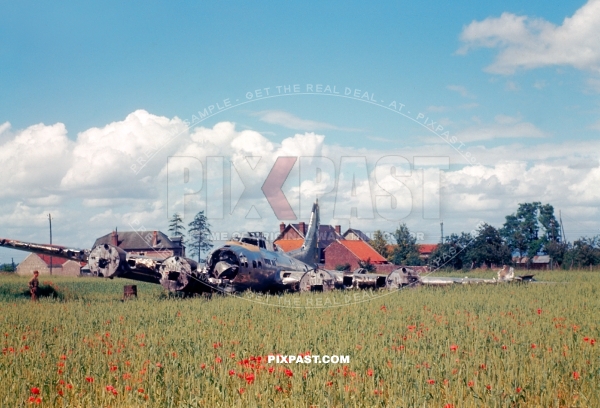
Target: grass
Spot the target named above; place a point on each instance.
(462, 346)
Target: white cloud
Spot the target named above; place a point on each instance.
(99, 191)
(511, 86)
(290, 121)
(103, 158)
(37, 158)
(595, 125)
(461, 90)
(503, 127)
(526, 43)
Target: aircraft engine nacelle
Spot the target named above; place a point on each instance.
(224, 264)
(318, 280)
(177, 273)
(402, 277)
(107, 261)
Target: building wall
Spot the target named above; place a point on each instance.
(35, 263)
(337, 254)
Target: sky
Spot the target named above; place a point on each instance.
(118, 115)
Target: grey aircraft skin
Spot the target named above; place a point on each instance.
(250, 262)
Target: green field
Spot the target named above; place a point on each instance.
(462, 346)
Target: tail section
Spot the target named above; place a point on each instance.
(309, 252)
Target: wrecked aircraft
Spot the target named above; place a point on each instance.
(250, 262)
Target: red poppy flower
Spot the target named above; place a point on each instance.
(289, 373)
(69, 386)
(89, 379)
(504, 347)
(271, 369)
(60, 392)
(519, 389)
(592, 342)
(575, 375)
(203, 366)
(470, 384)
(35, 390)
(249, 378)
(449, 406)
(231, 372)
(489, 387)
(241, 390)
(533, 345)
(329, 383)
(430, 381)
(128, 388)
(586, 339)
(218, 359)
(453, 347)
(539, 311)
(278, 388)
(370, 372)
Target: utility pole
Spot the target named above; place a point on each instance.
(50, 220)
(562, 229)
(442, 227)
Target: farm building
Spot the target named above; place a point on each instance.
(342, 251)
(292, 237)
(41, 263)
(153, 244)
(538, 262)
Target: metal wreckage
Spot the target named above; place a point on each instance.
(250, 262)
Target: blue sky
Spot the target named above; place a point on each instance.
(515, 82)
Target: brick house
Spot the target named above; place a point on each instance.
(291, 237)
(154, 244)
(41, 263)
(352, 252)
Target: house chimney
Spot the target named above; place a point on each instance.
(302, 227)
(154, 238)
(338, 229)
(281, 228)
(114, 238)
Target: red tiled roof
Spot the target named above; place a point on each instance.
(427, 248)
(363, 251)
(55, 260)
(290, 244)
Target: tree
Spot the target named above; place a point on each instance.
(367, 265)
(531, 229)
(199, 235)
(585, 252)
(176, 227)
(406, 250)
(379, 243)
(452, 253)
(488, 248)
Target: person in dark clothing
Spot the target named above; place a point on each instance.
(34, 286)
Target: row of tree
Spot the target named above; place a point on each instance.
(532, 230)
(199, 238)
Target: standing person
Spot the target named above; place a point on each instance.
(34, 286)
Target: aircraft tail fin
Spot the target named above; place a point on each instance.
(309, 252)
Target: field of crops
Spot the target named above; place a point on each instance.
(463, 346)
